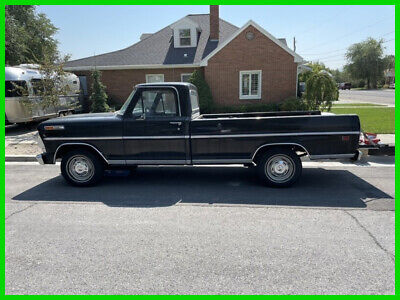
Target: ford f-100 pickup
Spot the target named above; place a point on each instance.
(161, 124)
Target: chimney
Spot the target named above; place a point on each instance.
(214, 22)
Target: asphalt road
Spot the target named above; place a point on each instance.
(386, 97)
(200, 230)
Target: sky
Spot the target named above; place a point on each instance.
(323, 33)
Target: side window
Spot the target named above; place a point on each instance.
(138, 109)
(157, 103)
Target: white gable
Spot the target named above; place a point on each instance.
(183, 24)
(297, 58)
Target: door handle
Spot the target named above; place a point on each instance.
(176, 123)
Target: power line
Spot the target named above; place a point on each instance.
(332, 59)
(360, 29)
(333, 51)
(305, 32)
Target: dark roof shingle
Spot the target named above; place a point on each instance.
(158, 48)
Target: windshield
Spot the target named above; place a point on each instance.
(126, 104)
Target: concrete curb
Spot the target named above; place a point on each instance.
(20, 158)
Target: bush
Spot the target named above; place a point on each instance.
(244, 108)
(293, 104)
(206, 101)
(361, 84)
(98, 96)
(321, 91)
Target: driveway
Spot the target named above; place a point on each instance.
(386, 97)
(201, 230)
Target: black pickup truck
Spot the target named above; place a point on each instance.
(161, 124)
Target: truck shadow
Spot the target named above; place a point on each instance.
(166, 186)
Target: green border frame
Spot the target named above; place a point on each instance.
(200, 2)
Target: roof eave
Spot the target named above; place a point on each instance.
(131, 67)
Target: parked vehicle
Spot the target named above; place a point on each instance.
(161, 124)
(25, 78)
(345, 86)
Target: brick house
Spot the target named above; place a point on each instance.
(241, 65)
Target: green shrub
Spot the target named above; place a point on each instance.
(206, 101)
(293, 104)
(361, 84)
(98, 96)
(321, 91)
(244, 108)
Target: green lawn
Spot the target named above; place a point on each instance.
(375, 120)
(355, 104)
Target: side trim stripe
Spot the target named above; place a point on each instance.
(215, 136)
(275, 134)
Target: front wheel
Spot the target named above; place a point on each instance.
(279, 167)
(81, 168)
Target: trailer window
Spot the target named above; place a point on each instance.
(16, 88)
(37, 86)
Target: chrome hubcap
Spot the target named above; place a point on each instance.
(80, 168)
(279, 168)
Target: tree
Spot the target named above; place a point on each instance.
(321, 91)
(98, 96)
(206, 101)
(315, 68)
(365, 61)
(388, 62)
(29, 37)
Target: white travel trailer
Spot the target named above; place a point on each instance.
(25, 77)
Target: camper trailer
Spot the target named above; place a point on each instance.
(25, 78)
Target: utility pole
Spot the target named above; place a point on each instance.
(294, 44)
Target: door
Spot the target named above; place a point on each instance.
(155, 132)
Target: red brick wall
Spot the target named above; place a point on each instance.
(120, 83)
(214, 22)
(278, 69)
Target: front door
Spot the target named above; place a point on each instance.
(155, 133)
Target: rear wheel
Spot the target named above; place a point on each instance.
(81, 168)
(279, 167)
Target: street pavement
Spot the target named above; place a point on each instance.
(385, 97)
(201, 230)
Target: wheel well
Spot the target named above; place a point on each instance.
(64, 149)
(264, 148)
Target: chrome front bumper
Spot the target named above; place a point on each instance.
(39, 158)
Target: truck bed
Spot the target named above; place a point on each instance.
(261, 114)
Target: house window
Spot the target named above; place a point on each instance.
(250, 84)
(185, 77)
(150, 78)
(184, 37)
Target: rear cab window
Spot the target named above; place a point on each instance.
(194, 102)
